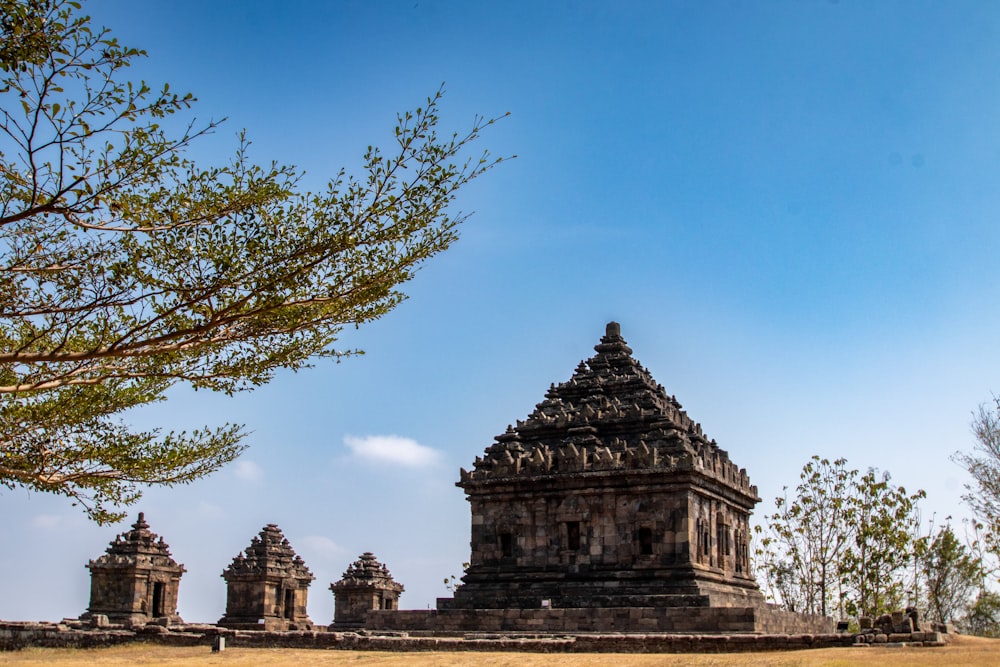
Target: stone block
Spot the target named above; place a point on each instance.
(905, 625)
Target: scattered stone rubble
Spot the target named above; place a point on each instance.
(899, 628)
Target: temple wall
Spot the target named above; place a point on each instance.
(568, 537)
(249, 600)
(18, 635)
(350, 607)
(112, 592)
(725, 620)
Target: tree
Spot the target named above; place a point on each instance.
(24, 33)
(983, 465)
(983, 617)
(841, 543)
(810, 535)
(951, 575)
(873, 568)
(127, 268)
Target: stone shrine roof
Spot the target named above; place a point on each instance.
(367, 572)
(139, 547)
(269, 555)
(610, 415)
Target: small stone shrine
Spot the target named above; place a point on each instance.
(136, 580)
(267, 586)
(366, 585)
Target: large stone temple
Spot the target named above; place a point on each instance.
(608, 495)
(607, 509)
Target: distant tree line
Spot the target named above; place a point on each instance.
(850, 544)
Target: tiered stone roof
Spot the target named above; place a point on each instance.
(269, 555)
(610, 415)
(367, 572)
(137, 548)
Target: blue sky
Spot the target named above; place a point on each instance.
(790, 207)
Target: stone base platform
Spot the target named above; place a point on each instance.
(695, 620)
(71, 633)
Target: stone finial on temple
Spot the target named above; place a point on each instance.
(136, 580)
(267, 586)
(366, 586)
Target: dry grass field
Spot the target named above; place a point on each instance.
(963, 651)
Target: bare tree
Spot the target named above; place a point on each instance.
(983, 464)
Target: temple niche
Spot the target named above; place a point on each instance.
(267, 586)
(366, 586)
(136, 580)
(608, 495)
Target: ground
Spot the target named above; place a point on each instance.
(962, 651)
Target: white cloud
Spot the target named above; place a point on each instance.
(46, 521)
(320, 545)
(249, 471)
(210, 511)
(392, 449)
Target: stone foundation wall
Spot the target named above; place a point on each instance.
(17, 635)
(721, 620)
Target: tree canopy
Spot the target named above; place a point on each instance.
(951, 573)
(126, 268)
(800, 554)
(841, 543)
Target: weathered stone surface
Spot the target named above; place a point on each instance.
(366, 585)
(135, 581)
(763, 619)
(267, 586)
(14, 636)
(607, 495)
